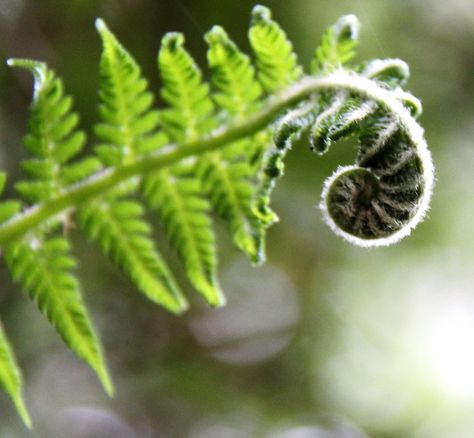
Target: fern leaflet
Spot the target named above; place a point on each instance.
(44, 269)
(277, 65)
(174, 192)
(128, 128)
(228, 175)
(337, 46)
(122, 233)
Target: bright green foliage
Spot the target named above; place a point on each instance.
(337, 46)
(185, 214)
(227, 175)
(221, 146)
(52, 138)
(10, 378)
(43, 265)
(128, 126)
(175, 192)
(233, 75)
(44, 269)
(277, 65)
(190, 107)
(122, 233)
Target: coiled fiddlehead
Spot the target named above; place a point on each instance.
(385, 194)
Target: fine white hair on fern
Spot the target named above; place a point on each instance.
(386, 194)
(217, 146)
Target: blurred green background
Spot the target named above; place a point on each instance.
(326, 340)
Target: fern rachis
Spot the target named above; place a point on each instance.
(209, 148)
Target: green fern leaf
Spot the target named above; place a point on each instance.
(176, 193)
(227, 175)
(119, 227)
(277, 65)
(10, 378)
(44, 269)
(337, 46)
(128, 129)
(52, 138)
(43, 265)
(233, 75)
(189, 114)
(129, 126)
(185, 215)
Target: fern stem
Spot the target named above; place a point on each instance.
(102, 181)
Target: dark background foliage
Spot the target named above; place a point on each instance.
(325, 340)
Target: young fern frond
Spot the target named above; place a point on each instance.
(44, 269)
(228, 175)
(337, 46)
(219, 147)
(277, 67)
(123, 235)
(128, 128)
(277, 64)
(41, 261)
(176, 192)
(128, 125)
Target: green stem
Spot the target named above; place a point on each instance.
(99, 183)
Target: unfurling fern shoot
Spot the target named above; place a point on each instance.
(213, 147)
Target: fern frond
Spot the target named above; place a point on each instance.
(176, 193)
(128, 127)
(238, 93)
(185, 215)
(228, 175)
(337, 46)
(121, 231)
(277, 65)
(52, 138)
(42, 264)
(10, 378)
(44, 269)
(190, 107)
